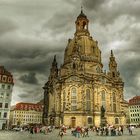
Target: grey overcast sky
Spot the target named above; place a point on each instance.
(33, 31)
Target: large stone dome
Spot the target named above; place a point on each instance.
(83, 48)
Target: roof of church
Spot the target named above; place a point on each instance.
(82, 15)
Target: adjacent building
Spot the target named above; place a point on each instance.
(26, 114)
(134, 110)
(75, 92)
(6, 86)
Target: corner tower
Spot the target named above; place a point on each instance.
(114, 73)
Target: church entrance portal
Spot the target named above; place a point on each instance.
(73, 121)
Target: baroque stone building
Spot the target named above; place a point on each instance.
(75, 92)
(134, 110)
(23, 114)
(6, 88)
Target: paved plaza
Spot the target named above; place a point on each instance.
(10, 135)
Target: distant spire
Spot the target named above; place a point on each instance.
(82, 13)
(81, 9)
(54, 58)
(54, 61)
(111, 53)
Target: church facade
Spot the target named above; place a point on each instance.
(75, 92)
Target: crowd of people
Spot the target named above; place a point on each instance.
(109, 130)
(100, 131)
(80, 131)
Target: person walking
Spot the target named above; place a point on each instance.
(130, 130)
(121, 129)
(86, 132)
(32, 130)
(78, 131)
(61, 134)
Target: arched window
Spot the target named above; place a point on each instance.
(103, 99)
(111, 103)
(84, 25)
(64, 100)
(73, 99)
(98, 69)
(89, 120)
(73, 122)
(88, 100)
(114, 101)
(93, 49)
(114, 107)
(103, 96)
(88, 94)
(114, 97)
(74, 66)
(116, 120)
(113, 74)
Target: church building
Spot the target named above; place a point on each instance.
(75, 92)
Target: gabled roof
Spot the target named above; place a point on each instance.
(28, 106)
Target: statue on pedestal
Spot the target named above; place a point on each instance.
(103, 118)
(102, 112)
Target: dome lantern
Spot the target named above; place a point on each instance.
(82, 24)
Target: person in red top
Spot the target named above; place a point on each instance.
(78, 131)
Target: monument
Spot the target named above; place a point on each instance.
(77, 89)
(103, 118)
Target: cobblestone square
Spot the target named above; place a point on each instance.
(10, 135)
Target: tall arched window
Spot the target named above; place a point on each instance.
(73, 99)
(111, 103)
(89, 120)
(64, 100)
(114, 101)
(114, 97)
(88, 100)
(113, 74)
(98, 69)
(103, 99)
(116, 120)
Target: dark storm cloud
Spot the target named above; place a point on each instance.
(131, 75)
(63, 24)
(32, 32)
(92, 4)
(28, 55)
(31, 94)
(29, 78)
(6, 25)
(107, 11)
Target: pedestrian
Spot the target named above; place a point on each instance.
(32, 130)
(106, 131)
(78, 131)
(130, 130)
(61, 134)
(97, 131)
(86, 132)
(121, 129)
(83, 132)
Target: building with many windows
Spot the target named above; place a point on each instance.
(134, 110)
(6, 86)
(75, 92)
(25, 114)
